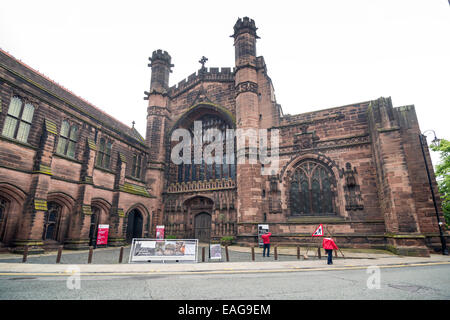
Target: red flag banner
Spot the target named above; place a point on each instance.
(318, 232)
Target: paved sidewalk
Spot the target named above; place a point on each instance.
(288, 262)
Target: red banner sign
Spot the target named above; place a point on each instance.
(159, 232)
(102, 235)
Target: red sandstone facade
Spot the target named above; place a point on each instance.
(358, 169)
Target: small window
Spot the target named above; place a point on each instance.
(51, 221)
(104, 153)
(67, 139)
(18, 120)
(136, 167)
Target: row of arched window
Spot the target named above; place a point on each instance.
(18, 123)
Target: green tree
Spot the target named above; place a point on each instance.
(443, 175)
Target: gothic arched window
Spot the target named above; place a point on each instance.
(52, 221)
(204, 171)
(310, 190)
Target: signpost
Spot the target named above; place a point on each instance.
(145, 250)
(317, 233)
(102, 234)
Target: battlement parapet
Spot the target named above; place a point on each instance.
(160, 55)
(224, 74)
(245, 25)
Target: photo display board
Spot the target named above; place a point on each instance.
(262, 228)
(163, 250)
(215, 252)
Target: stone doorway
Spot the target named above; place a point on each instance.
(202, 227)
(199, 217)
(134, 225)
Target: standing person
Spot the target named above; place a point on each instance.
(329, 245)
(266, 243)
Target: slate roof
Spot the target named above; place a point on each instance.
(83, 106)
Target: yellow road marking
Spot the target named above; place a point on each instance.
(224, 271)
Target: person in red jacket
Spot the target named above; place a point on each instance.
(266, 243)
(329, 245)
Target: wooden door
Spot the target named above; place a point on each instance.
(202, 227)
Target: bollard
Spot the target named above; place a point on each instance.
(319, 254)
(276, 253)
(25, 254)
(203, 254)
(91, 251)
(298, 252)
(58, 257)
(253, 253)
(121, 255)
(226, 253)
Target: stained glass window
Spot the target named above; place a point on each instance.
(180, 173)
(204, 171)
(310, 189)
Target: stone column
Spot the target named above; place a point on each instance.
(394, 185)
(80, 222)
(117, 237)
(32, 224)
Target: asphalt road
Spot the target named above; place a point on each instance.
(404, 283)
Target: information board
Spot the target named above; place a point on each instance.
(215, 251)
(163, 250)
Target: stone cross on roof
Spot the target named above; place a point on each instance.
(203, 61)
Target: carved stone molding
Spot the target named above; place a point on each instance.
(247, 86)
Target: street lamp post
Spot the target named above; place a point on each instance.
(422, 136)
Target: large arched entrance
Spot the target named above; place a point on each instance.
(134, 225)
(202, 227)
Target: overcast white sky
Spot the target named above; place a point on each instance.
(319, 54)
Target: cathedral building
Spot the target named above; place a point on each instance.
(66, 166)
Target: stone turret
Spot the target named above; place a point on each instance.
(247, 115)
(157, 120)
(161, 65)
